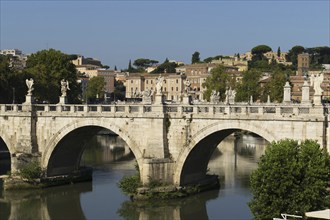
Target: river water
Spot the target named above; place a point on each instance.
(233, 160)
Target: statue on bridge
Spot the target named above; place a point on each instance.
(316, 81)
(230, 96)
(187, 86)
(159, 85)
(215, 96)
(64, 87)
(29, 84)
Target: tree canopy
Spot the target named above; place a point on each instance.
(168, 67)
(291, 178)
(292, 55)
(249, 86)
(195, 58)
(95, 88)
(144, 63)
(260, 49)
(219, 80)
(48, 68)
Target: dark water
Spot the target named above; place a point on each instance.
(102, 199)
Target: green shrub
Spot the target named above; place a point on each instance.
(31, 171)
(129, 184)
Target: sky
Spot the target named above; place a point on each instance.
(115, 32)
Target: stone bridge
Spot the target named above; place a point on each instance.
(171, 142)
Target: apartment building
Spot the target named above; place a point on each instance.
(172, 87)
(17, 58)
(89, 68)
(240, 64)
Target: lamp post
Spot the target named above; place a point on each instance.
(13, 95)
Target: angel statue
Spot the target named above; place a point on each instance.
(316, 81)
(64, 87)
(187, 85)
(29, 84)
(159, 84)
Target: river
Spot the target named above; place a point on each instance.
(233, 160)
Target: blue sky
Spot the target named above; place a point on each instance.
(116, 31)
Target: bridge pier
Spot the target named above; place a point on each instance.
(159, 170)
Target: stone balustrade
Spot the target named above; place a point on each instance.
(205, 110)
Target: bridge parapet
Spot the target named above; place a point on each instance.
(198, 110)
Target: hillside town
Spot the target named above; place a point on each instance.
(135, 82)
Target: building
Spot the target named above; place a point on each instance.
(89, 68)
(172, 87)
(303, 74)
(303, 64)
(240, 64)
(17, 58)
(81, 60)
(13, 52)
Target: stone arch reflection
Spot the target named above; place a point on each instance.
(5, 159)
(196, 160)
(50, 203)
(106, 147)
(236, 157)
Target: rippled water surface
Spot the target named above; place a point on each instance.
(233, 160)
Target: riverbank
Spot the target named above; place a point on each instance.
(15, 182)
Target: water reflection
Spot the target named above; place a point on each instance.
(61, 202)
(193, 207)
(234, 159)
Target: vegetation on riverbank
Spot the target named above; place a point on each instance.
(32, 176)
(291, 178)
(132, 187)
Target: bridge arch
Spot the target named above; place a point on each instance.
(192, 162)
(84, 127)
(6, 141)
(5, 156)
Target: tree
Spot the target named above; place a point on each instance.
(5, 72)
(292, 55)
(274, 87)
(249, 86)
(291, 178)
(48, 68)
(130, 69)
(319, 56)
(258, 59)
(95, 87)
(278, 52)
(195, 58)
(167, 66)
(120, 89)
(260, 50)
(144, 63)
(219, 80)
